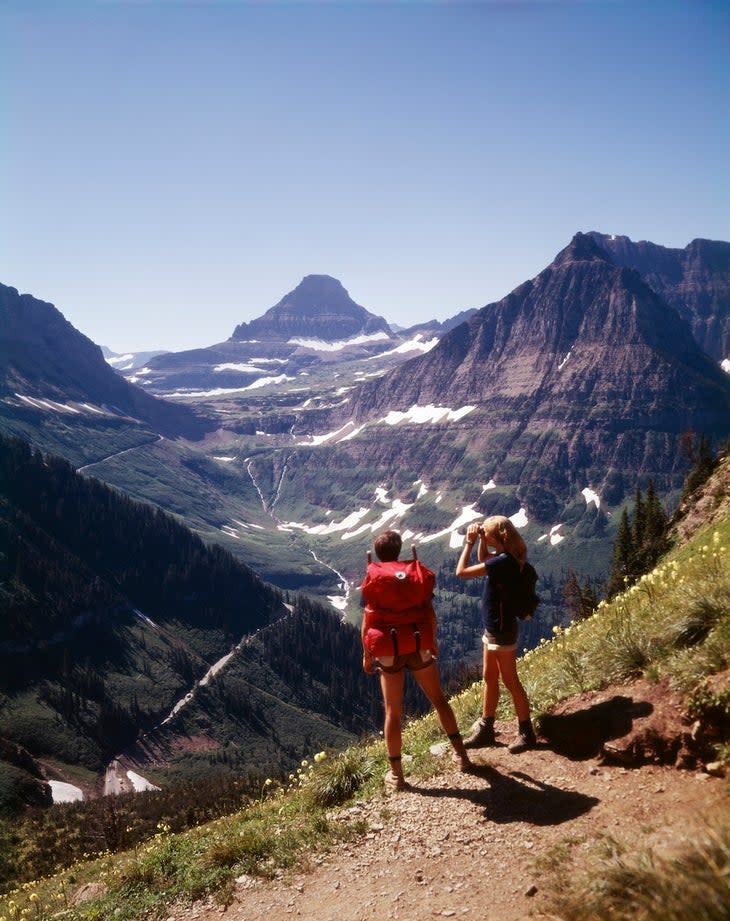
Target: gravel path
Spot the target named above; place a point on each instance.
(467, 845)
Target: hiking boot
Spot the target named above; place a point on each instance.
(481, 734)
(525, 738)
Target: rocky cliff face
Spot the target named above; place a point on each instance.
(694, 280)
(318, 308)
(583, 374)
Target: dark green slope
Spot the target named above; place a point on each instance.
(110, 611)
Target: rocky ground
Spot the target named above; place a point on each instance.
(483, 845)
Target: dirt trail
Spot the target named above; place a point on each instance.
(467, 845)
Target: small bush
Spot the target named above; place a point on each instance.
(337, 780)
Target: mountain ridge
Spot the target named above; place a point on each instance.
(43, 356)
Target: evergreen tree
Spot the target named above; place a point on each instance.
(638, 525)
(623, 557)
(655, 531)
(571, 596)
(703, 462)
(639, 542)
(588, 600)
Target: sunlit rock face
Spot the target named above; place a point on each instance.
(585, 373)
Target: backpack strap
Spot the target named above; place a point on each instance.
(416, 633)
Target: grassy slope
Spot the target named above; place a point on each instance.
(674, 624)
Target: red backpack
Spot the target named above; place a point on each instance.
(399, 616)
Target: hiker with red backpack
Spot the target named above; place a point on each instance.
(508, 597)
(399, 633)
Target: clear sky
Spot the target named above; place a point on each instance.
(170, 169)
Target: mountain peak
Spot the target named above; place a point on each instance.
(581, 248)
(319, 307)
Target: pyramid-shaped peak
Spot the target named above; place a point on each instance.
(319, 307)
(315, 292)
(582, 248)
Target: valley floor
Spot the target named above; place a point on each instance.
(482, 845)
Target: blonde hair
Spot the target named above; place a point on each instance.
(507, 534)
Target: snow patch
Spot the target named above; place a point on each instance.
(65, 792)
(590, 496)
(725, 365)
(245, 366)
(333, 527)
(234, 366)
(430, 413)
(490, 485)
(417, 344)
(226, 391)
(145, 618)
(196, 394)
(348, 430)
(51, 405)
(455, 540)
(140, 372)
(93, 409)
(321, 345)
(519, 519)
(121, 362)
(140, 783)
(265, 381)
(565, 359)
(553, 536)
(467, 514)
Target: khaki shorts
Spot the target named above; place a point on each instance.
(413, 661)
(504, 639)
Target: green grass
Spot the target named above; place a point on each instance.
(693, 884)
(673, 625)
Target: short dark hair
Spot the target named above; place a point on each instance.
(388, 546)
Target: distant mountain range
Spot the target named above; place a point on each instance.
(317, 424)
(129, 361)
(317, 325)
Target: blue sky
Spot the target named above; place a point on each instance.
(170, 169)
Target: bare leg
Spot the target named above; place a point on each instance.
(430, 683)
(491, 683)
(506, 659)
(391, 684)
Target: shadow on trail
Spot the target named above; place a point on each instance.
(518, 797)
(580, 733)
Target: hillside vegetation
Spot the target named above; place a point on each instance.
(672, 628)
(111, 612)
